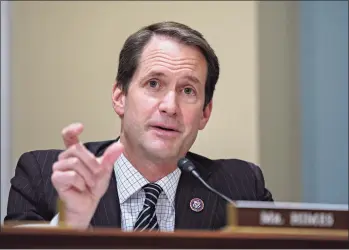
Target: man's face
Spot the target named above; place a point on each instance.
(163, 109)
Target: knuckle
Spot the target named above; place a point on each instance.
(55, 179)
(66, 130)
(61, 155)
(72, 147)
(55, 166)
(74, 161)
(78, 146)
(73, 175)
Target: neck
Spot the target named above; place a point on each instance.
(150, 168)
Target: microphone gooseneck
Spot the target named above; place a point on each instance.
(187, 166)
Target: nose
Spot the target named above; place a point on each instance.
(168, 104)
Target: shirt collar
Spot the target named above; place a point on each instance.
(129, 181)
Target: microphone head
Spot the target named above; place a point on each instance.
(185, 165)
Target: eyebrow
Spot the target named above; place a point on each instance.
(153, 74)
(192, 79)
(161, 74)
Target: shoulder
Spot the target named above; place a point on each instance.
(94, 147)
(226, 166)
(238, 179)
(41, 158)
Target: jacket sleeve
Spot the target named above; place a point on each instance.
(25, 202)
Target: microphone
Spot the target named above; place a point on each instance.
(187, 166)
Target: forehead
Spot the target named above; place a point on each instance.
(168, 55)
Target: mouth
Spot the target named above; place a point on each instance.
(165, 132)
(165, 128)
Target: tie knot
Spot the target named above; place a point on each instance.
(152, 193)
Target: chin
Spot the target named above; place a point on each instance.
(162, 150)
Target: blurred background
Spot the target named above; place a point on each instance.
(281, 101)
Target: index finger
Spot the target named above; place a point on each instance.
(70, 134)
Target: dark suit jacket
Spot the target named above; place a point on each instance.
(33, 197)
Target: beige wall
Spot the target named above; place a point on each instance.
(279, 114)
(64, 61)
(65, 58)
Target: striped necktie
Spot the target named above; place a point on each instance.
(146, 219)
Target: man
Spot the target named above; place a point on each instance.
(163, 95)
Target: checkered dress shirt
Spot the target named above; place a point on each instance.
(131, 196)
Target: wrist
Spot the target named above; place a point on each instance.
(79, 220)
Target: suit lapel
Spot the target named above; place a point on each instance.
(189, 188)
(108, 212)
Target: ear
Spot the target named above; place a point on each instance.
(205, 115)
(118, 99)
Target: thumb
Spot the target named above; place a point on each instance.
(111, 154)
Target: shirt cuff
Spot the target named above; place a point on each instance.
(55, 220)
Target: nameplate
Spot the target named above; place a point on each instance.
(288, 215)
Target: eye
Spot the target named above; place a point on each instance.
(188, 91)
(153, 83)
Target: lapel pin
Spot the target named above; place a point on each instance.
(197, 205)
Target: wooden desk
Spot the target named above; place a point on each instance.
(113, 238)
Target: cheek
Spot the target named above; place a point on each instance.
(140, 108)
(191, 119)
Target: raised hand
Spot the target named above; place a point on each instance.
(80, 178)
